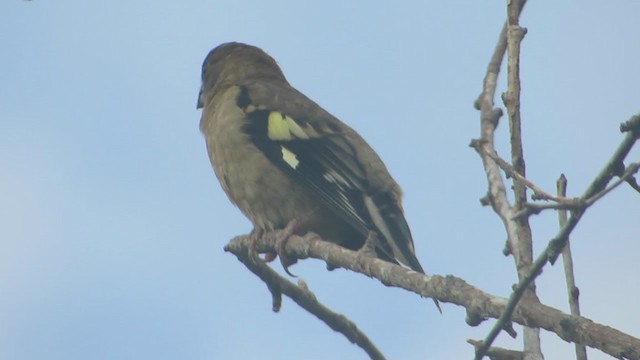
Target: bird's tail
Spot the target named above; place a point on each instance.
(396, 239)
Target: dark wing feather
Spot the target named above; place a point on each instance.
(327, 163)
(316, 157)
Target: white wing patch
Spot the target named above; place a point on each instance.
(289, 157)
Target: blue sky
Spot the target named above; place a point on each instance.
(112, 223)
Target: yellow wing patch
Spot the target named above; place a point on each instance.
(283, 127)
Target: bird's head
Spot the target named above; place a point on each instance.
(234, 63)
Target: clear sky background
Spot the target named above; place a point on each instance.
(112, 223)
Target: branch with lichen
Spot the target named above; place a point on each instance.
(450, 289)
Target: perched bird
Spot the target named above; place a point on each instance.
(289, 164)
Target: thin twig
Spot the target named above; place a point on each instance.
(573, 292)
(633, 183)
(539, 194)
(578, 203)
(450, 289)
(535, 209)
(278, 285)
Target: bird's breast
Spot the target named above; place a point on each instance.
(266, 195)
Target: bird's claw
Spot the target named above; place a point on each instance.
(256, 235)
(282, 236)
(281, 242)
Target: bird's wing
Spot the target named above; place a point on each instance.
(329, 158)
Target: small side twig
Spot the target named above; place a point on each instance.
(573, 292)
(628, 173)
(278, 285)
(535, 209)
(632, 126)
(579, 203)
(633, 183)
(498, 353)
(538, 193)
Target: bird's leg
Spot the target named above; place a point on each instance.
(281, 241)
(369, 247)
(368, 250)
(293, 227)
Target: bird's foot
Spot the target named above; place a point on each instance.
(281, 242)
(256, 234)
(369, 247)
(368, 250)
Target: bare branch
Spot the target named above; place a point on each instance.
(555, 246)
(518, 230)
(450, 289)
(522, 245)
(278, 285)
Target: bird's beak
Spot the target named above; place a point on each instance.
(200, 100)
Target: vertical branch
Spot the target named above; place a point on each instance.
(497, 196)
(567, 261)
(511, 98)
(521, 245)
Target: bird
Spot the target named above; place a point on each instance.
(290, 165)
